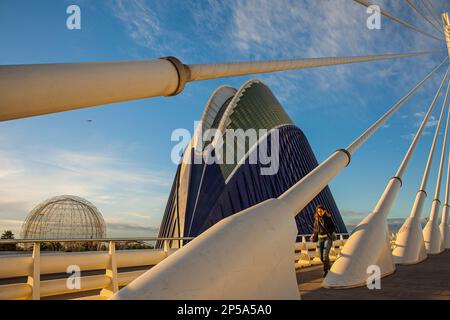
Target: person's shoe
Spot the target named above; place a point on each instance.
(325, 273)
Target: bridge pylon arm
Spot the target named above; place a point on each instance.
(446, 25)
(32, 90)
(369, 244)
(410, 245)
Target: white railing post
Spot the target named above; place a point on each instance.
(34, 278)
(111, 272)
(166, 247)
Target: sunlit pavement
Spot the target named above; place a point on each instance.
(428, 280)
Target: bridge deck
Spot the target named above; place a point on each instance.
(427, 280)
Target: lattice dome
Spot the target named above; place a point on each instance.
(64, 217)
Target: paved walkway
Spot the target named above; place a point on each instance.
(427, 280)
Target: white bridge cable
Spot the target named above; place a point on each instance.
(444, 149)
(421, 14)
(368, 243)
(433, 7)
(369, 132)
(428, 9)
(426, 173)
(447, 184)
(398, 20)
(413, 145)
(301, 193)
(231, 69)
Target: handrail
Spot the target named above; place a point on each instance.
(12, 241)
(146, 239)
(115, 263)
(338, 234)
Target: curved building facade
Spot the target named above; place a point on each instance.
(203, 193)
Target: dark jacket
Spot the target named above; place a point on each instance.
(325, 227)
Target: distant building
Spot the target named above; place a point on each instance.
(203, 194)
(64, 217)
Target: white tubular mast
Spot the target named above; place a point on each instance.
(423, 186)
(431, 232)
(31, 90)
(446, 23)
(368, 245)
(444, 228)
(245, 240)
(410, 246)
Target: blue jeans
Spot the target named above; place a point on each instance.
(324, 249)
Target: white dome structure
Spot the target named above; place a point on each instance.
(64, 217)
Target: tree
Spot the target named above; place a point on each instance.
(7, 235)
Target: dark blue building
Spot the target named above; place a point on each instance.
(203, 194)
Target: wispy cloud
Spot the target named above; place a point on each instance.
(140, 21)
(129, 226)
(408, 136)
(125, 193)
(264, 29)
(352, 217)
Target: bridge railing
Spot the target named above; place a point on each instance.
(103, 270)
(307, 252)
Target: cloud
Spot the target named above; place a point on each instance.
(10, 224)
(140, 21)
(284, 29)
(432, 122)
(124, 192)
(351, 217)
(265, 29)
(419, 114)
(409, 136)
(131, 227)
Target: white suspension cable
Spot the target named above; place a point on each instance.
(405, 162)
(444, 148)
(409, 244)
(232, 69)
(431, 232)
(426, 173)
(417, 10)
(400, 21)
(368, 244)
(298, 196)
(447, 182)
(358, 142)
(428, 9)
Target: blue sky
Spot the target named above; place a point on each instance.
(121, 160)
